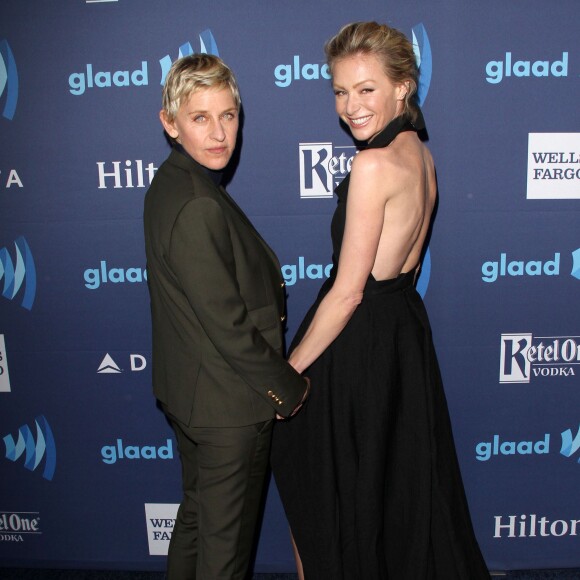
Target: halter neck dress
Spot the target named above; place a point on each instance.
(367, 470)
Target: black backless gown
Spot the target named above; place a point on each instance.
(367, 471)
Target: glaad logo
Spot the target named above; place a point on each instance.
(94, 277)
(496, 70)
(569, 445)
(324, 165)
(4, 377)
(493, 269)
(79, 82)
(8, 80)
(533, 526)
(294, 272)
(14, 525)
(207, 44)
(112, 453)
(44, 446)
(302, 271)
(485, 450)
(523, 357)
(553, 166)
(286, 73)
(109, 366)
(14, 275)
(131, 176)
(160, 521)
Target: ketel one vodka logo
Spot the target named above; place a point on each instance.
(524, 357)
(323, 167)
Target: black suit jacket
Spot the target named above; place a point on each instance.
(217, 304)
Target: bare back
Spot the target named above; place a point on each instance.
(409, 198)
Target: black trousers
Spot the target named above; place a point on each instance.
(223, 475)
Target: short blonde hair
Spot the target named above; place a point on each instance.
(193, 73)
(389, 45)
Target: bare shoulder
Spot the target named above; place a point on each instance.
(393, 169)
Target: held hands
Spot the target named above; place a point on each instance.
(299, 406)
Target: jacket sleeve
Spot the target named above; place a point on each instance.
(201, 255)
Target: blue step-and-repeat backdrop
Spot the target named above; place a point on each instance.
(89, 474)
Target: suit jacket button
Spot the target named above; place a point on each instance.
(282, 318)
(270, 394)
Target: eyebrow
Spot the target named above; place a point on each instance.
(356, 84)
(205, 111)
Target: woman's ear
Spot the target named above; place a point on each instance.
(404, 89)
(168, 125)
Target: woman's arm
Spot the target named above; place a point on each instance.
(368, 194)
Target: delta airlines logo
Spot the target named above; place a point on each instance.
(34, 450)
(19, 271)
(553, 166)
(524, 357)
(8, 80)
(324, 165)
(108, 366)
(4, 377)
(91, 78)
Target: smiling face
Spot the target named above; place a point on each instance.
(366, 99)
(206, 125)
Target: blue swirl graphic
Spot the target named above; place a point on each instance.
(44, 446)
(422, 49)
(8, 80)
(576, 264)
(14, 276)
(425, 274)
(569, 445)
(207, 43)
